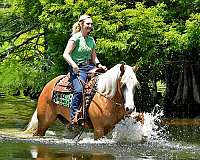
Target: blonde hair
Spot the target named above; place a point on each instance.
(77, 26)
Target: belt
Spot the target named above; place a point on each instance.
(84, 63)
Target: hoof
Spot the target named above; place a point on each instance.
(38, 134)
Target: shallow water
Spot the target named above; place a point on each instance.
(171, 141)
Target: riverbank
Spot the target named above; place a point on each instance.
(181, 122)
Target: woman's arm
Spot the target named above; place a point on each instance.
(96, 61)
(94, 57)
(68, 50)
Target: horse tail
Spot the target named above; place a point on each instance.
(33, 124)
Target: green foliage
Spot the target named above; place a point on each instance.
(180, 10)
(16, 76)
(177, 42)
(147, 28)
(193, 31)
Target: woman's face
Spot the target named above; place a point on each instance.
(87, 24)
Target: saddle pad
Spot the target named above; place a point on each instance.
(63, 99)
(64, 85)
(63, 92)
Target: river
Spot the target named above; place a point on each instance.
(176, 139)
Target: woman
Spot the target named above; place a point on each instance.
(81, 55)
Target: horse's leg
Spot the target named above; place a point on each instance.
(98, 133)
(46, 116)
(65, 115)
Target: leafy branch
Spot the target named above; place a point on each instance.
(5, 54)
(17, 34)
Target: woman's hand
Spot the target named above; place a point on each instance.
(101, 66)
(75, 69)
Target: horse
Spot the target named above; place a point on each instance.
(112, 102)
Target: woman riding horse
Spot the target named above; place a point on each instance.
(81, 56)
(113, 100)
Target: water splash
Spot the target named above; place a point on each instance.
(130, 131)
(152, 127)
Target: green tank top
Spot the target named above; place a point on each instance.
(83, 50)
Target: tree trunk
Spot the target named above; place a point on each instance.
(188, 88)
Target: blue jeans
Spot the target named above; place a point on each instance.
(78, 87)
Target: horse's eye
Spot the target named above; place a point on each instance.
(123, 85)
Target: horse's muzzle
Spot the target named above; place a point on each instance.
(129, 110)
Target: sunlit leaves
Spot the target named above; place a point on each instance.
(176, 39)
(193, 30)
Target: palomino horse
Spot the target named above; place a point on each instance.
(113, 100)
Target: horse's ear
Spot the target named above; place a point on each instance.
(135, 68)
(122, 69)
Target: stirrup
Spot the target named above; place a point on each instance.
(75, 120)
(80, 121)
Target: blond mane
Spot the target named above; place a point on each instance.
(107, 81)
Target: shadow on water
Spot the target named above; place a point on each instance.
(168, 140)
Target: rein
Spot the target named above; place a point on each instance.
(116, 103)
